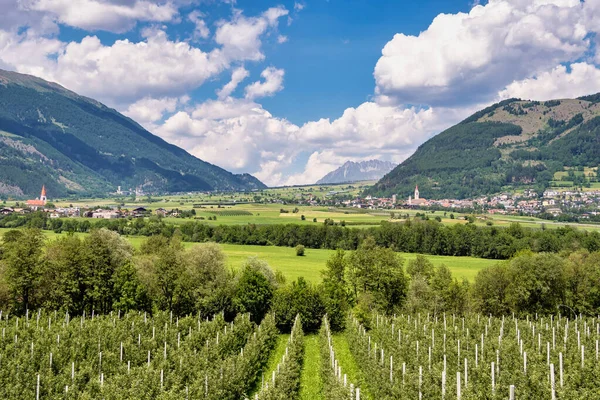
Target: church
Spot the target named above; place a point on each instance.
(40, 202)
(417, 200)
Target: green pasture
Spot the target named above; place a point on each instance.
(309, 266)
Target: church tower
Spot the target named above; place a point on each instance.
(417, 192)
(43, 195)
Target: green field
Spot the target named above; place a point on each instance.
(284, 259)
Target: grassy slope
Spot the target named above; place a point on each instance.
(311, 386)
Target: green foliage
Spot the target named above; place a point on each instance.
(333, 384)
(300, 250)
(335, 290)
(286, 384)
(254, 293)
(197, 359)
(406, 356)
(21, 259)
(298, 299)
(377, 271)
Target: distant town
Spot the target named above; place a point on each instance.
(585, 204)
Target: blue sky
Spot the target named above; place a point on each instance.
(290, 90)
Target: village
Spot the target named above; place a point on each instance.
(554, 202)
(585, 204)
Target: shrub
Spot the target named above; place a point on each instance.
(300, 250)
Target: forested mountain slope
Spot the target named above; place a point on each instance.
(514, 143)
(76, 145)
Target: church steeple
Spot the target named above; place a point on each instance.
(417, 192)
(43, 195)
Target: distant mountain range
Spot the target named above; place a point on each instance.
(76, 145)
(512, 144)
(358, 171)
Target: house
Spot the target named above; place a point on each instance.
(139, 212)
(161, 211)
(105, 214)
(6, 211)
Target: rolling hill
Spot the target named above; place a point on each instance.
(78, 146)
(512, 144)
(358, 171)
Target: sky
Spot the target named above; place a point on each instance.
(289, 90)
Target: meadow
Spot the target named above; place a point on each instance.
(310, 265)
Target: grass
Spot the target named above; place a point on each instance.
(309, 266)
(311, 385)
(284, 259)
(348, 364)
(274, 359)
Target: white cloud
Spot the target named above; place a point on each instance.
(581, 80)
(236, 134)
(125, 72)
(148, 111)
(201, 31)
(109, 15)
(241, 37)
(465, 58)
(240, 135)
(282, 39)
(299, 6)
(238, 75)
(128, 71)
(273, 83)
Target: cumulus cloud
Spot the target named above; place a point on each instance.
(148, 111)
(240, 135)
(127, 71)
(465, 58)
(109, 15)
(241, 36)
(236, 134)
(582, 79)
(238, 75)
(273, 83)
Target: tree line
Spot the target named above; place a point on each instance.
(410, 236)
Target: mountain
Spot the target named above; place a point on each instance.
(509, 145)
(358, 171)
(76, 145)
